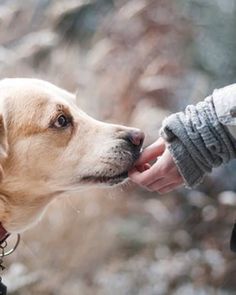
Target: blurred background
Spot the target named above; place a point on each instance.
(131, 62)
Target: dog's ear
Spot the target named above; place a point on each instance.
(3, 145)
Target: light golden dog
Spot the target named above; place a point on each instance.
(48, 146)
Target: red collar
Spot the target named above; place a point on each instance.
(3, 234)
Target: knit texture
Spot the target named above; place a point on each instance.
(198, 142)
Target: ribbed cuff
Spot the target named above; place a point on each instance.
(191, 173)
(197, 141)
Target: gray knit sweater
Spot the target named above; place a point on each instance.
(198, 141)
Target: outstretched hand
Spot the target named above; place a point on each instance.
(163, 176)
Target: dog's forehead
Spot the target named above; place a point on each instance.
(29, 104)
(34, 85)
(33, 95)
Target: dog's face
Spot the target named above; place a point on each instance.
(48, 145)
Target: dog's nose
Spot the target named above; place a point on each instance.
(136, 137)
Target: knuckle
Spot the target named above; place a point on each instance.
(142, 182)
(165, 190)
(134, 179)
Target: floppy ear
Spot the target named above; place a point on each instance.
(3, 145)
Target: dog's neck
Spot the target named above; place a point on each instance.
(21, 211)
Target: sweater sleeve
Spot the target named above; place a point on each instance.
(197, 141)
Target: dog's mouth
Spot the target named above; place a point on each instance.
(106, 179)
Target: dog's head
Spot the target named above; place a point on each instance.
(49, 145)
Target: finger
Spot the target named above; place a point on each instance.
(164, 167)
(144, 178)
(154, 173)
(163, 182)
(160, 169)
(147, 166)
(143, 167)
(152, 152)
(170, 188)
(172, 176)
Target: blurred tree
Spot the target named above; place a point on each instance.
(213, 43)
(81, 21)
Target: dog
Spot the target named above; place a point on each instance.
(49, 146)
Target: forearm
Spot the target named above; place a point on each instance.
(198, 141)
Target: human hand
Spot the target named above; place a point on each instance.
(163, 176)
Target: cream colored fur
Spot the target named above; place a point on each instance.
(39, 162)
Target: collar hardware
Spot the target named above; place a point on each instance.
(4, 235)
(3, 252)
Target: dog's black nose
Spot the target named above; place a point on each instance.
(136, 137)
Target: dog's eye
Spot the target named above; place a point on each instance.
(62, 121)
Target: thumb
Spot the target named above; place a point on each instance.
(152, 152)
